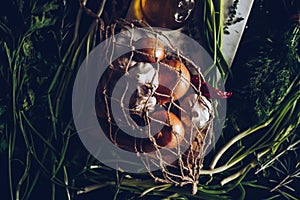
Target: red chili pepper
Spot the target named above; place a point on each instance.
(208, 90)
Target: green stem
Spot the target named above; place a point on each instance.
(63, 154)
(235, 139)
(23, 178)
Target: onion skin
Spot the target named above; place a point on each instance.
(172, 135)
(164, 13)
(174, 80)
(149, 50)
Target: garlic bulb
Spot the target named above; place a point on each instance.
(143, 73)
(196, 111)
(144, 78)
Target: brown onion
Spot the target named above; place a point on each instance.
(170, 135)
(174, 81)
(149, 50)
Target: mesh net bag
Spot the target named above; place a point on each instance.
(153, 101)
